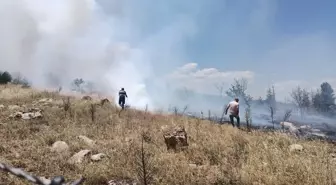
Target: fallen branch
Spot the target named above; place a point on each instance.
(58, 180)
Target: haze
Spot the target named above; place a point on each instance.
(153, 47)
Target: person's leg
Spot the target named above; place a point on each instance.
(231, 120)
(122, 102)
(238, 121)
(119, 101)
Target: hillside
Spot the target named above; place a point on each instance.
(217, 154)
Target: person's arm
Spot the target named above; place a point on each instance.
(126, 94)
(227, 108)
(238, 109)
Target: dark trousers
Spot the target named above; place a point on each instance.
(232, 121)
(122, 101)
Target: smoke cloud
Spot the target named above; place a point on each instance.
(149, 48)
(53, 42)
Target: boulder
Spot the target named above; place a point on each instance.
(44, 101)
(60, 147)
(79, 157)
(176, 139)
(30, 114)
(13, 107)
(295, 147)
(87, 140)
(290, 127)
(98, 157)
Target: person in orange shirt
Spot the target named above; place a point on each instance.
(233, 109)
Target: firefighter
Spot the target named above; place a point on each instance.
(122, 97)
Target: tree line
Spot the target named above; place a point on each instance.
(322, 100)
(6, 77)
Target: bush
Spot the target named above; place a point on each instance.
(20, 80)
(5, 77)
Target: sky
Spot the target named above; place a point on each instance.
(150, 47)
(284, 43)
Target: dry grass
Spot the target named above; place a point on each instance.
(223, 155)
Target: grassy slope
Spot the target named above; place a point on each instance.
(225, 155)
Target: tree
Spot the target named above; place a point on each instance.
(260, 101)
(270, 99)
(5, 77)
(220, 88)
(90, 86)
(301, 99)
(324, 99)
(327, 97)
(53, 80)
(238, 90)
(316, 100)
(20, 80)
(77, 84)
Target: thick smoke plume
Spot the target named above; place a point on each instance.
(53, 42)
(135, 44)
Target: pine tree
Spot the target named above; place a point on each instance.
(5, 77)
(327, 97)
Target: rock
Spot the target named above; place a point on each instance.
(17, 155)
(45, 100)
(307, 127)
(315, 130)
(45, 180)
(289, 126)
(87, 140)
(295, 147)
(193, 165)
(60, 147)
(164, 127)
(2, 106)
(98, 157)
(128, 140)
(104, 101)
(13, 107)
(31, 114)
(16, 115)
(176, 139)
(86, 98)
(27, 116)
(79, 157)
(122, 182)
(320, 135)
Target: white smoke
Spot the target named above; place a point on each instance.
(74, 39)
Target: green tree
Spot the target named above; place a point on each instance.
(5, 77)
(326, 98)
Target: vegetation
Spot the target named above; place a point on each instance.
(5, 77)
(133, 142)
